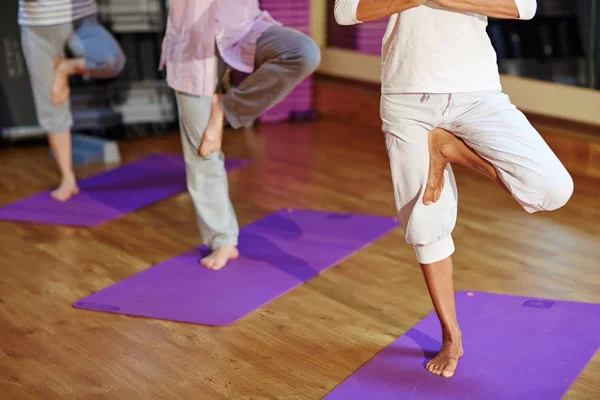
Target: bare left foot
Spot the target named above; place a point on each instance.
(213, 135)
(60, 81)
(219, 257)
(67, 189)
(445, 363)
(444, 149)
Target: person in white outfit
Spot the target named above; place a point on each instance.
(440, 75)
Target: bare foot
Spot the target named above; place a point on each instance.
(219, 257)
(444, 149)
(67, 189)
(213, 135)
(445, 363)
(60, 81)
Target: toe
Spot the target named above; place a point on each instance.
(429, 192)
(218, 265)
(449, 369)
(219, 262)
(438, 194)
(433, 368)
(440, 188)
(206, 261)
(429, 367)
(60, 195)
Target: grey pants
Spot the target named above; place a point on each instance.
(43, 44)
(284, 57)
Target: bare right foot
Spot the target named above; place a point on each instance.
(213, 135)
(60, 81)
(445, 363)
(67, 189)
(444, 149)
(219, 257)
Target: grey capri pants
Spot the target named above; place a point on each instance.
(85, 38)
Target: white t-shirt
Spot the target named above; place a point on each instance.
(54, 12)
(429, 49)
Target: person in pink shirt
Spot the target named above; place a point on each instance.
(202, 39)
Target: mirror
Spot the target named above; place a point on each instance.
(561, 44)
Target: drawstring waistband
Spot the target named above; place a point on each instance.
(449, 104)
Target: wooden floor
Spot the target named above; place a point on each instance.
(301, 345)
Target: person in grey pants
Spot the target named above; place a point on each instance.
(48, 29)
(201, 40)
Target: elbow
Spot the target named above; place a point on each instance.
(527, 9)
(345, 12)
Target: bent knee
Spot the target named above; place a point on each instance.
(551, 192)
(307, 57)
(117, 63)
(558, 191)
(311, 57)
(112, 65)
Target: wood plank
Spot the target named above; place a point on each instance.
(303, 344)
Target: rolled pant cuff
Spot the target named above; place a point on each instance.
(230, 116)
(222, 242)
(57, 129)
(435, 252)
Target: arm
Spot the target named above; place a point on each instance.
(351, 12)
(507, 9)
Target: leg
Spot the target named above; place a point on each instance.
(213, 134)
(97, 54)
(207, 183)
(60, 143)
(438, 277)
(284, 57)
(501, 135)
(427, 228)
(101, 54)
(41, 46)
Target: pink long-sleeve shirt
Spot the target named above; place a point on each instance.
(196, 28)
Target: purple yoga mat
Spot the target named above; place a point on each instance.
(110, 194)
(516, 348)
(278, 253)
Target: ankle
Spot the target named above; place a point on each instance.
(63, 67)
(452, 334)
(69, 178)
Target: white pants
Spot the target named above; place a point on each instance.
(492, 126)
